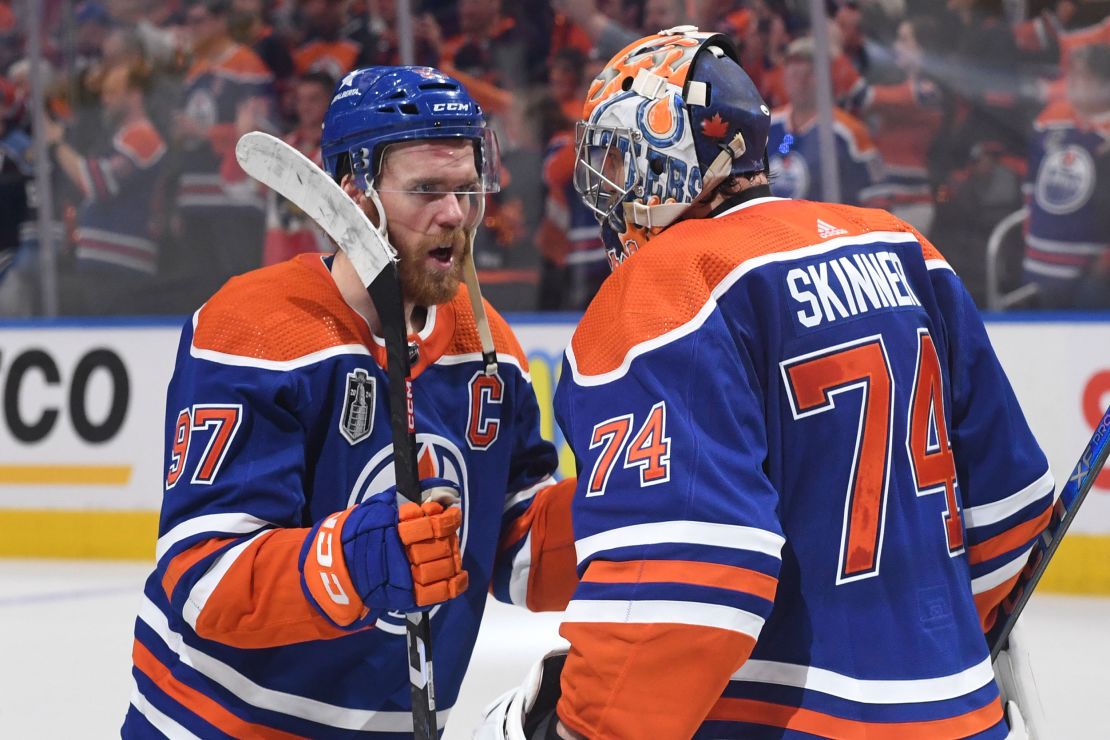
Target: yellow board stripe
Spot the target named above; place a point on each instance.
(1081, 565)
(61, 475)
(114, 535)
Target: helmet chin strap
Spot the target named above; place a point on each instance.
(662, 215)
(470, 276)
(371, 194)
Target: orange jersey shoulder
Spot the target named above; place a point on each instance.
(141, 142)
(664, 286)
(465, 339)
(1055, 113)
(279, 313)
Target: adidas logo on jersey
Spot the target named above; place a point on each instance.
(825, 229)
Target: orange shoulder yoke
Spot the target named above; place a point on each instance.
(465, 339)
(666, 284)
(279, 313)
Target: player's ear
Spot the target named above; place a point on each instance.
(358, 196)
(348, 185)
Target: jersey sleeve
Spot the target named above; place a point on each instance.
(232, 527)
(860, 162)
(535, 563)
(677, 535)
(1006, 488)
(134, 150)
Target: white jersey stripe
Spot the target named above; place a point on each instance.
(938, 264)
(528, 493)
(986, 514)
(224, 358)
(869, 691)
(282, 702)
(665, 612)
(502, 358)
(220, 525)
(163, 723)
(874, 237)
(713, 534)
(521, 569)
(207, 584)
(999, 576)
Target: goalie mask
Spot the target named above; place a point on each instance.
(375, 107)
(669, 118)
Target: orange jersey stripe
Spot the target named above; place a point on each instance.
(259, 603)
(636, 680)
(1008, 540)
(681, 267)
(683, 571)
(987, 602)
(186, 559)
(826, 725)
(203, 706)
(553, 575)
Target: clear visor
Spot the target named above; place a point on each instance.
(604, 170)
(461, 161)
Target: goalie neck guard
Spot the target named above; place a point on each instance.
(377, 106)
(665, 122)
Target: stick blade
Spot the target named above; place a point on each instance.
(296, 178)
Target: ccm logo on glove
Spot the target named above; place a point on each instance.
(377, 557)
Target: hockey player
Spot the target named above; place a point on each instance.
(805, 484)
(283, 560)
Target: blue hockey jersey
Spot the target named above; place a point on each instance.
(794, 153)
(805, 485)
(277, 417)
(1069, 200)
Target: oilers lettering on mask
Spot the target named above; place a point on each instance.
(670, 179)
(622, 145)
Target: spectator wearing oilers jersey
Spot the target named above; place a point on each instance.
(806, 484)
(1067, 240)
(289, 231)
(905, 118)
(227, 91)
(284, 562)
(116, 256)
(795, 149)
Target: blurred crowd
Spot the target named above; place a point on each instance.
(981, 122)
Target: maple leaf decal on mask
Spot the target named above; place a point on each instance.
(715, 127)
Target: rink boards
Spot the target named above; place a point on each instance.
(81, 439)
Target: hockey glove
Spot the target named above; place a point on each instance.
(376, 557)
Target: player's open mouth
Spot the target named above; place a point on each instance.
(442, 255)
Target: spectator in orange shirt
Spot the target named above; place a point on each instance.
(566, 79)
(228, 91)
(326, 49)
(904, 119)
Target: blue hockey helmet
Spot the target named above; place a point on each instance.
(377, 106)
(668, 119)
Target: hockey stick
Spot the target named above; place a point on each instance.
(282, 168)
(1044, 547)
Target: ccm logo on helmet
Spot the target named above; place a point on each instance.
(439, 107)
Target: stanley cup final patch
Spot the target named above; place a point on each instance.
(358, 406)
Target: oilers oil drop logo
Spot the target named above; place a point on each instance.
(438, 457)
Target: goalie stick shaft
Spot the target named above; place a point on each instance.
(1079, 483)
(288, 172)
